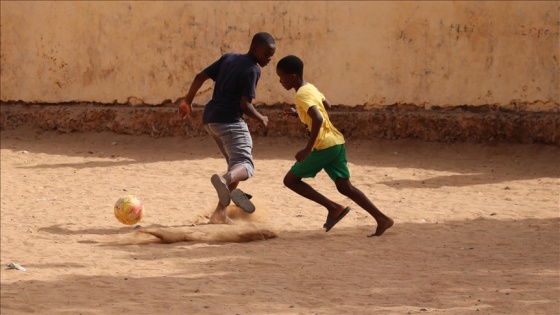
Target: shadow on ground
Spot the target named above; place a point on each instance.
(510, 267)
(474, 163)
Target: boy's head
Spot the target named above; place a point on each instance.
(290, 71)
(262, 48)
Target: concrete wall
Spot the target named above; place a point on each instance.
(440, 53)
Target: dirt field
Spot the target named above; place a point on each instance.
(477, 229)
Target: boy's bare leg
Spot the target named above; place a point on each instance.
(303, 189)
(346, 188)
(231, 180)
(220, 216)
(235, 175)
(226, 187)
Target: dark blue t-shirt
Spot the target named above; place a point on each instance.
(235, 75)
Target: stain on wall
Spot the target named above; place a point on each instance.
(428, 53)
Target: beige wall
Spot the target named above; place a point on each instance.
(443, 53)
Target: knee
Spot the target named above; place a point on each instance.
(344, 187)
(343, 190)
(289, 180)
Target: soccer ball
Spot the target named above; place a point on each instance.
(129, 209)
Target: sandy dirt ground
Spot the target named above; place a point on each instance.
(477, 230)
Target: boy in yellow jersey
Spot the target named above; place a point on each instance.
(324, 150)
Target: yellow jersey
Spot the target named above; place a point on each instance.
(306, 97)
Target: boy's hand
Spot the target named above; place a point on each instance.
(264, 122)
(289, 111)
(302, 154)
(185, 110)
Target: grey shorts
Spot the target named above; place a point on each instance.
(235, 142)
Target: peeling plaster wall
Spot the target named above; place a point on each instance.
(440, 53)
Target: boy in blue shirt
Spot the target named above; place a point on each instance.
(236, 76)
(324, 150)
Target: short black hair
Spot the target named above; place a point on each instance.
(290, 65)
(262, 38)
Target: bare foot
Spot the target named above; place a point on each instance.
(220, 217)
(382, 226)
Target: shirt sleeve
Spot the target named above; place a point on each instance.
(249, 82)
(304, 101)
(213, 69)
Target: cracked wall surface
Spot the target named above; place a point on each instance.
(359, 53)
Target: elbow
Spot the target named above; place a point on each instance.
(244, 106)
(201, 77)
(317, 123)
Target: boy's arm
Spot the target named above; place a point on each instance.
(289, 111)
(249, 110)
(316, 123)
(185, 107)
(327, 104)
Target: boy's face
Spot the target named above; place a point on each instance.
(287, 80)
(263, 53)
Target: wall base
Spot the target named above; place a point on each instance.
(462, 124)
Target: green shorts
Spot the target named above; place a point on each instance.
(332, 160)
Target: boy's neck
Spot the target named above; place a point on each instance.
(250, 54)
(299, 83)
